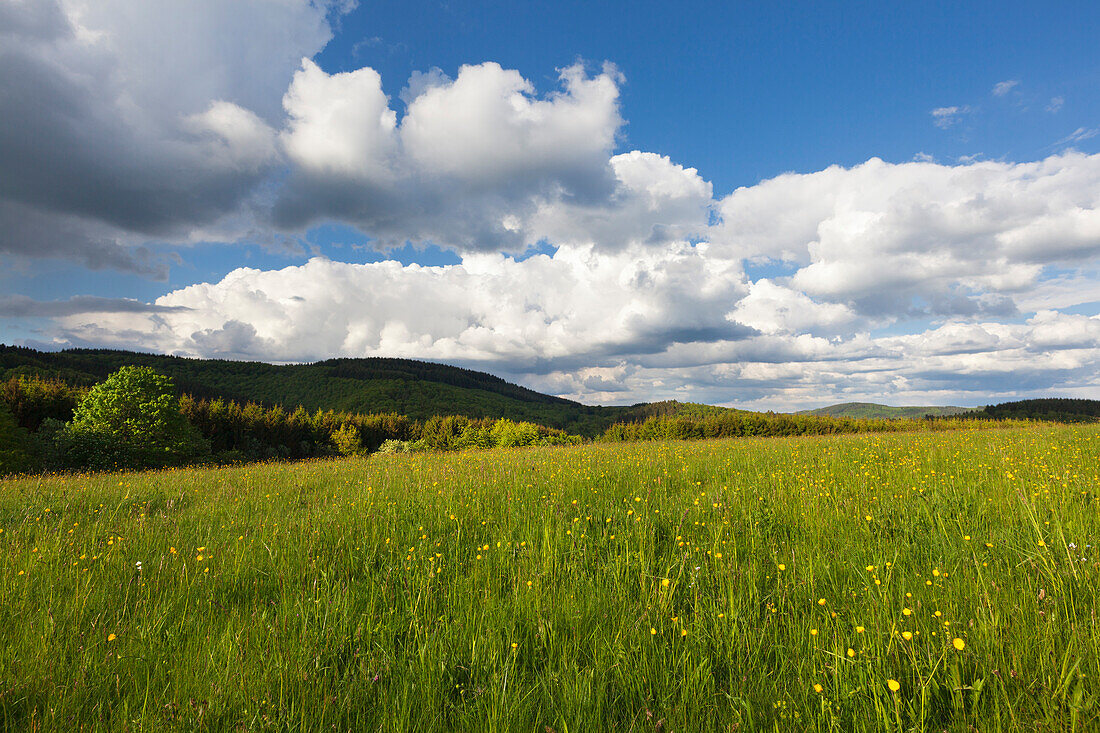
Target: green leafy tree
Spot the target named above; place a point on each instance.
(132, 419)
(347, 440)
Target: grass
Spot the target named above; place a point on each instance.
(661, 586)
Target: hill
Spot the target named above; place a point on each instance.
(870, 410)
(417, 389)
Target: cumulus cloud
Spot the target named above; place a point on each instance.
(577, 307)
(1002, 88)
(477, 163)
(920, 239)
(138, 121)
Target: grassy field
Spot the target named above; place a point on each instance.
(933, 581)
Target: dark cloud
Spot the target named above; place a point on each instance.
(21, 306)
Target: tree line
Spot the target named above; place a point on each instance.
(134, 419)
(737, 424)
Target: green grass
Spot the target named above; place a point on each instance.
(387, 593)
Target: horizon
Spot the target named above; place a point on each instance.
(739, 206)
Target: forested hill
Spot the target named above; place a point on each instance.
(374, 385)
(871, 410)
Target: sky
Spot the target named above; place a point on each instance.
(769, 205)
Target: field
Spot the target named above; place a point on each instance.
(929, 581)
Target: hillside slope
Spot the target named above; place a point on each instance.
(871, 410)
(373, 385)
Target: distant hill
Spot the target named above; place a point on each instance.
(373, 385)
(870, 410)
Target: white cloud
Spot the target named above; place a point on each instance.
(1002, 88)
(1056, 103)
(477, 163)
(945, 117)
(1079, 135)
(576, 307)
(340, 124)
(920, 239)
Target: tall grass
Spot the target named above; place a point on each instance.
(662, 586)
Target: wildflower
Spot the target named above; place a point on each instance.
(111, 637)
(665, 583)
(859, 629)
(818, 688)
(851, 652)
(959, 643)
(821, 601)
(813, 632)
(894, 685)
(782, 567)
(907, 611)
(907, 635)
(652, 631)
(683, 632)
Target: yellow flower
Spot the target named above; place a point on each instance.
(652, 631)
(821, 601)
(515, 645)
(907, 611)
(818, 688)
(959, 643)
(894, 685)
(851, 652)
(907, 635)
(110, 637)
(782, 566)
(859, 629)
(1042, 544)
(665, 583)
(868, 517)
(683, 632)
(813, 632)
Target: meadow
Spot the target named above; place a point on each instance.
(925, 581)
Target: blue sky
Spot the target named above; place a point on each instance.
(744, 91)
(757, 204)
